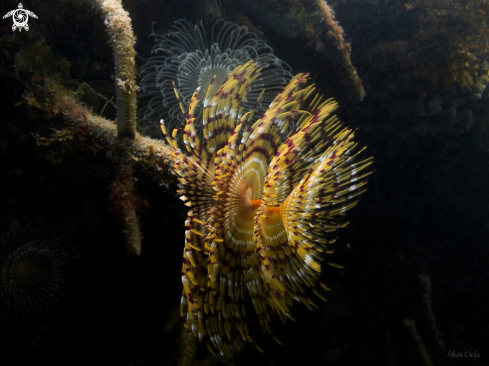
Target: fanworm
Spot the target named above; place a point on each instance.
(192, 55)
(262, 204)
(37, 266)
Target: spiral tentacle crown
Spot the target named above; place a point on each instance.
(36, 272)
(262, 202)
(186, 56)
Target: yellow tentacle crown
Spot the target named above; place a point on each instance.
(264, 192)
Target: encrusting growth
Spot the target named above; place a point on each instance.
(261, 203)
(329, 37)
(120, 31)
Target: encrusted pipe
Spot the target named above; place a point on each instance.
(153, 156)
(331, 43)
(422, 353)
(124, 204)
(425, 284)
(187, 348)
(122, 40)
(100, 134)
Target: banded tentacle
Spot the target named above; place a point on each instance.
(262, 203)
(241, 168)
(307, 179)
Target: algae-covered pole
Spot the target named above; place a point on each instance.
(152, 156)
(122, 39)
(99, 134)
(132, 234)
(418, 342)
(425, 284)
(331, 43)
(124, 203)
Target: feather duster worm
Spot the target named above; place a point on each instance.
(261, 203)
(192, 56)
(37, 266)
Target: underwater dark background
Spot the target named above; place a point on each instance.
(416, 249)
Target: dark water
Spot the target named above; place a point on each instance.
(414, 287)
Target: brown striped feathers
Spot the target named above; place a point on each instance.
(262, 203)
